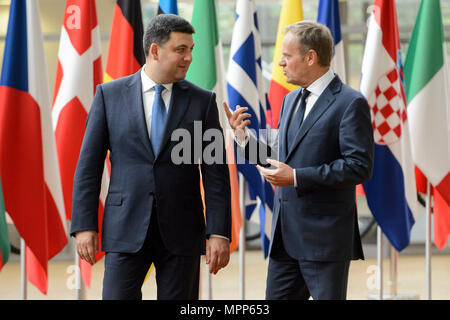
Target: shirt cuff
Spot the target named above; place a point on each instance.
(295, 179)
(218, 236)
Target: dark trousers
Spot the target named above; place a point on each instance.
(292, 279)
(177, 277)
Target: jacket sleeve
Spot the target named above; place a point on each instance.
(357, 153)
(89, 170)
(215, 176)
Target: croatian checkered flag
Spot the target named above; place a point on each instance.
(391, 193)
(246, 88)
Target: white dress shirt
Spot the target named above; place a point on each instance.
(148, 96)
(316, 88)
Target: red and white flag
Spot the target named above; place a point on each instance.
(78, 73)
(28, 160)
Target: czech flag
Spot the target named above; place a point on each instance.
(28, 160)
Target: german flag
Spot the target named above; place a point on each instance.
(125, 52)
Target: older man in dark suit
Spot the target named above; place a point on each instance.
(325, 148)
(154, 210)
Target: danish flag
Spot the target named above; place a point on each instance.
(78, 73)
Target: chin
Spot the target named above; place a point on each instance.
(180, 76)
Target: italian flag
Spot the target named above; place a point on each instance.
(427, 85)
(291, 12)
(5, 247)
(207, 71)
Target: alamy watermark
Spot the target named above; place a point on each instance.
(207, 146)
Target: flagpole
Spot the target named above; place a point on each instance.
(208, 283)
(393, 272)
(79, 286)
(380, 263)
(23, 271)
(200, 276)
(393, 275)
(428, 243)
(242, 244)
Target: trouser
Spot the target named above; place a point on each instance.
(177, 277)
(292, 279)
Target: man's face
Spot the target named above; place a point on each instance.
(294, 64)
(175, 57)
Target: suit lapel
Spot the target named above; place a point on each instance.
(133, 97)
(179, 103)
(322, 104)
(287, 114)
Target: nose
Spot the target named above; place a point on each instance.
(188, 57)
(282, 62)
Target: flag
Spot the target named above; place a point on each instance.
(168, 6)
(28, 161)
(246, 88)
(79, 71)
(328, 14)
(291, 12)
(427, 85)
(390, 193)
(208, 56)
(5, 246)
(126, 53)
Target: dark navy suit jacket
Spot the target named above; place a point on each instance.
(140, 180)
(332, 153)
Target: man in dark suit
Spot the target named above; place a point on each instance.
(153, 211)
(325, 148)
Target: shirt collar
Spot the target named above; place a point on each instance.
(148, 83)
(318, 86)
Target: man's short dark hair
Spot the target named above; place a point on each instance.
(159, 28)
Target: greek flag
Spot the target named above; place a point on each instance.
(246, 88)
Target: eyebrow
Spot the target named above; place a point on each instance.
(184, 46)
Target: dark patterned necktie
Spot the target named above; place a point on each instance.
(297, 119)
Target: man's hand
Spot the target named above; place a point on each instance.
(87, 245)
(217, 254)
(283, 175)
(237, 120)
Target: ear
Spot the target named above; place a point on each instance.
(153, 51)
(312, 57)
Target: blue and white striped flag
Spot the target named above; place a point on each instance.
(328, 14)
(246, 88)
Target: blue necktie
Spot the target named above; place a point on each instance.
(297, 120)
(158, 119)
